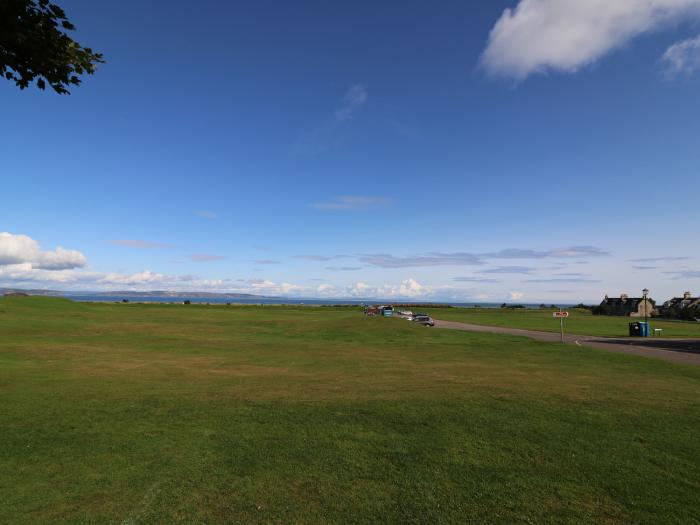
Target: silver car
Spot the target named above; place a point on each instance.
(425, 320)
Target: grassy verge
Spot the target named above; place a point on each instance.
(196, 414)
(580, 321)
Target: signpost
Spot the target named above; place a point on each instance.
(561, 315)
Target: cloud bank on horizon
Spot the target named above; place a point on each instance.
(24, 264)
(539, 36)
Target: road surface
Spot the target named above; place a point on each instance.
(675, 350)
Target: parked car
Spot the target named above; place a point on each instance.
(425, 320)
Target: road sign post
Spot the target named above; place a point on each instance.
(561, 316)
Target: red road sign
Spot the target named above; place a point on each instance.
(560, 314)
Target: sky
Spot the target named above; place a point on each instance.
(519, 151)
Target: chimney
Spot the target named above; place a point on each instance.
(687, 295)
(624, 296)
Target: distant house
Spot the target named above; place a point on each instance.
(681, 307)
(627, 306)
(681, 302)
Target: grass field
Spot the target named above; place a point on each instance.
(580, 322)
(192, 414)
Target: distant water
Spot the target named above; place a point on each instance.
(258, 300)
(204, 300)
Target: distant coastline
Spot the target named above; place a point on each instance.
(169, 297)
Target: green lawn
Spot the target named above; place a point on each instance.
(580, 322)
(132, 414)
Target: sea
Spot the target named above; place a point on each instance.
(272, 301)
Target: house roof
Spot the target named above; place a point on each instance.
(682, 302)
(619, 300)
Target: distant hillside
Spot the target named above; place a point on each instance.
(136, 295)
(50, 293)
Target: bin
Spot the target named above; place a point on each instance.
(635, 329)
(644, 329)
(640, 329)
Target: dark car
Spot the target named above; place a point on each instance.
(425, 320)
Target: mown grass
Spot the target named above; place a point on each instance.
(196, 414)
(580, 322)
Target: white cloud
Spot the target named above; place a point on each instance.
(359, 288)
(406, 289)
(140, 278)
(515, 296)
(565, 35)
(206, 214)
(21, 249)
(25, 276)
(682, 57)
(267, 287)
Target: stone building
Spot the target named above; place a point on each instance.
(627, 306)
(681, 307)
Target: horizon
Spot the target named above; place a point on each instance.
(466, 153)
(200, 293)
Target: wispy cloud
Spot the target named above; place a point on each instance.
(538, 36)
(206, 214)
(319, 258)
(682, 58)
(328, 134)
(658, 259)
(475, 280)
(355, 97)
(572, 251)
(266, 261)
(684, 274)
(141, 244)
(564, 280)
(466, 258)
(343, 268)
(645, 267)
(350, 203)
(206, 257)
(433, 259)
(523, 270)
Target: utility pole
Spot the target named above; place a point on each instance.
(645, 292)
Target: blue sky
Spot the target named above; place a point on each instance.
(481, 151)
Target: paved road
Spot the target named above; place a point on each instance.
(676, 350)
